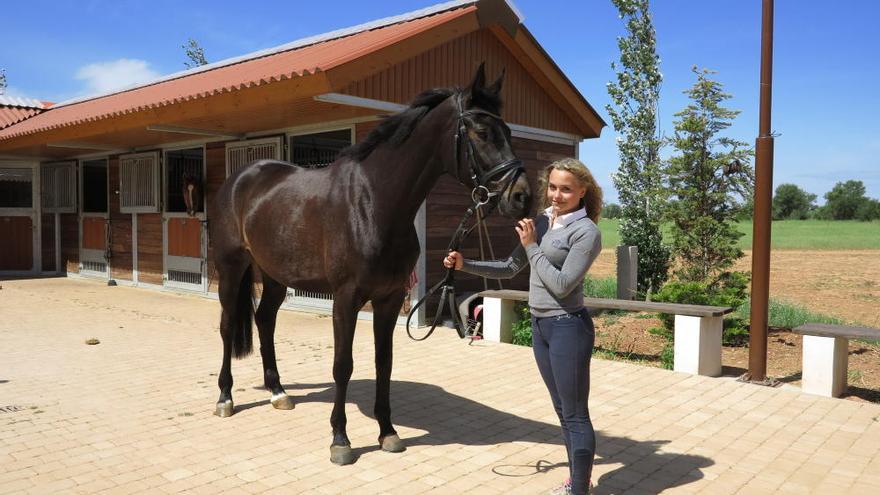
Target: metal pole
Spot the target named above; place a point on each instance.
(761, 218)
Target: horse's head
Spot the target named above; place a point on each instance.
(191, 194)
(485, 159)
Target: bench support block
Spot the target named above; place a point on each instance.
(698, 345)
(824, 365)
(499, 315)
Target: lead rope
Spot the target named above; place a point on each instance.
(447, 285)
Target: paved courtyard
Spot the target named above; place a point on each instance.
(133, 414)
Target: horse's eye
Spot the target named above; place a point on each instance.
(483, 134)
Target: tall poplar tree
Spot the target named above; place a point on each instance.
(638, 179)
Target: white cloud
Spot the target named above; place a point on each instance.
(102, 77)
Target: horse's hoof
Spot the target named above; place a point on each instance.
(282, 401)
(224, 409)
(392, 443)
(341, 455)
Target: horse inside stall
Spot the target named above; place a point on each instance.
(192, 194)
(347, 229)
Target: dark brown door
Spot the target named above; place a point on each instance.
(16, 243)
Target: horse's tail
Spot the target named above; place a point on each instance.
(243, 323)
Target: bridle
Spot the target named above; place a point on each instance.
(508, 171)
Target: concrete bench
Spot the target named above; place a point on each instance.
(697, 328)
(826, 356)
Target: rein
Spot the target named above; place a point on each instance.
(509, 171)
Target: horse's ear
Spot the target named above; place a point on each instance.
(479, 81)
(495, 88)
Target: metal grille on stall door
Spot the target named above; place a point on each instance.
(138, 182)
(239, 156)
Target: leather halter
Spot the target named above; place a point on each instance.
(508, 171)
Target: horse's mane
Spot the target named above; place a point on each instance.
(395, 129)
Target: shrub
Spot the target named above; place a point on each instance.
(522, 329)
(728, 289)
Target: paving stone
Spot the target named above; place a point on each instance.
(134, 415)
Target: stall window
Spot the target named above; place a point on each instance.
(318, 149)
(94, 186)
(179, 165)
(16, 188)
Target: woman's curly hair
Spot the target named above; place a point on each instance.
(592, 200)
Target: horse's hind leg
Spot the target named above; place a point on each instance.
(235, 290)
(385, 312)
(273, 295)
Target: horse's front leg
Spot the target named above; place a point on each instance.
(345, 307)
(385, 312)
(273, 296)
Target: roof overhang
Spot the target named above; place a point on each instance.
(277, 90)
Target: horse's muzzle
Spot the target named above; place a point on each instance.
(516, 202)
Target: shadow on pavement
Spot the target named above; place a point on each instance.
(454, 419)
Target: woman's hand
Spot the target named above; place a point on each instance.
(453, 260)
(526, 231)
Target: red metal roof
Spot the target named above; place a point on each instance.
(12, 115)
(297, 62)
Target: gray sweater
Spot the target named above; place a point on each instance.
(559, 262)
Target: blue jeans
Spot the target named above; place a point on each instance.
(563, 346)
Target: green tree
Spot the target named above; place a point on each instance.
(869, 210)
(792, 203)
(709, 179)
(611, 210)
(195, 53)
(842, 202)
(638, 179)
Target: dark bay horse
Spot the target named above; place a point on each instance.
(347, 229)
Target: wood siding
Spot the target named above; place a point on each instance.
(215, 164)
(149, 252)
(122, 259)
(16, 243)
(70, 243)
(447, 203)
(47, 241)
(453, 65)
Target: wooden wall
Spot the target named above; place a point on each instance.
(70, 242)
(47, 241)
(120, 229)
(215, 162)
(447, 203)
(149, 250)
(453, 64)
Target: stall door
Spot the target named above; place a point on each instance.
(94, 247)
(16, 243)
(18, 218)
(185, 235)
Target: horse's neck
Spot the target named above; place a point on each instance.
(406, 174)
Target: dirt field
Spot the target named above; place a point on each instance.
(845, 284)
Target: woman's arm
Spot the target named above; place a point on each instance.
(497, 269)
(560, 282)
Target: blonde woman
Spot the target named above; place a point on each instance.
(559, 246)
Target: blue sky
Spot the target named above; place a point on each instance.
(825, 105)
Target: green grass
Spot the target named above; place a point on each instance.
(782, 314)
(788, 234)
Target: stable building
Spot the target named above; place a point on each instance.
(93, 187)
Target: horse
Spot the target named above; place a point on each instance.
(347, 229)
(192, 194)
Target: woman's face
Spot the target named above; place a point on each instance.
(564, 191)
